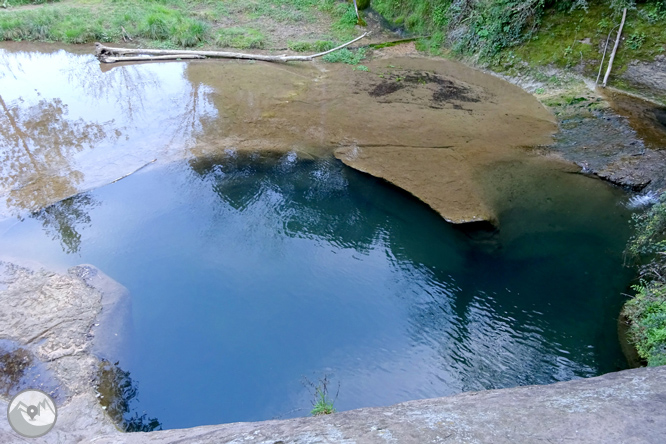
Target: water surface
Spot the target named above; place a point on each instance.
(248, 274)
(249, 271)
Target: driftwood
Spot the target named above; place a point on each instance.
(108, 54)
(617, 43)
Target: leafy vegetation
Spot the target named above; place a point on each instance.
(650, 230)
(646, 311)
(534, 32)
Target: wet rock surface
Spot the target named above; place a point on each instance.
(605, 144)
(47, 341)
(616, 137)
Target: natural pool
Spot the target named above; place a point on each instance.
(249, 271)
(247, 275)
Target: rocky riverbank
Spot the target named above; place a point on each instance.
(612, 134)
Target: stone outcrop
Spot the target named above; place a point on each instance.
(648, 78)
(622, 407)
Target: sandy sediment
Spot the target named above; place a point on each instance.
(428, 126)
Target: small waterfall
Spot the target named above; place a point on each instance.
(643, 200)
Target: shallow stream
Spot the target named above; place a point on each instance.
(252, 270)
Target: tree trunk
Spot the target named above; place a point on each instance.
(617, 43)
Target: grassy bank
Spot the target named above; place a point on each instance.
(177, 23)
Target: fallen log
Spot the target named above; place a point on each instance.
(110, 59)
(107, 54)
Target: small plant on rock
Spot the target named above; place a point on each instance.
(322, 404)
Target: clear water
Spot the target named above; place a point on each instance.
(248, 274)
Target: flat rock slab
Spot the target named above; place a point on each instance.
(623, 407)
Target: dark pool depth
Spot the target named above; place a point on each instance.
(249, 273)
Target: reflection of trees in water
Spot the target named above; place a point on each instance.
(119, 392)
(125, 86)
(295, 191)
(10, 65)
(37, 144)
(131, 87)
(197, 108)
(63, 219)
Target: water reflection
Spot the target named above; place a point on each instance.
(64, 220)
(248, 271)
(67, 126)
(473, 321)
(39, 139)
(127, 87)
(293, 191)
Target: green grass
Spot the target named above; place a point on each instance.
(242, 38)
(345, 55)
(167, 23)
(323, 406)
(12, 3)
(316, 46)
(151, 21)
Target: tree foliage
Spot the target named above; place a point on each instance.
(483, 27)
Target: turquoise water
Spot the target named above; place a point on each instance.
(249, 273)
